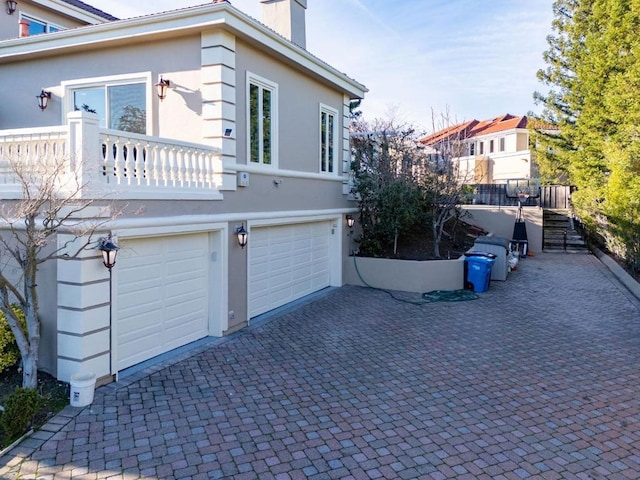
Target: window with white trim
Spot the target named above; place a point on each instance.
(37, 27)
(328, 139)
(262, 118)
(121, 102)
(472, 149)
(502, 142)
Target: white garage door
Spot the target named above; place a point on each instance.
(162, 295)
(287, 262)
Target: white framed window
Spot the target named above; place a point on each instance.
(122, 101)
(262, 121)
(37, 26)
(490, 146)
(328, 139)
(481, 148)
(501, 146)
(472, 149)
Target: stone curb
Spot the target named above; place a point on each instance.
(627, 280)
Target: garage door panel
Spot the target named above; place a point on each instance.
(297, 264)
(162, 295)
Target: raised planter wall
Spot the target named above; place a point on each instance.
(405, 275)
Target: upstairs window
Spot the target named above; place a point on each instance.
(119, 102)
(328, 138)
(37, 27)
(472, 149)
(490, 146)
(262, 100)
(481, 148)
(502, 144)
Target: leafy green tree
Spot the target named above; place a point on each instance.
(594, 79)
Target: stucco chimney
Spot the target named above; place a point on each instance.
(287, 17)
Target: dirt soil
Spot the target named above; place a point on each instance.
(54, 394)
(418, 245)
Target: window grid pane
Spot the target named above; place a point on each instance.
(254, 113)
(330, 152)
(266, 127)
(323, 142)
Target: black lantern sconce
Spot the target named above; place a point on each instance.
(161, 88)
(242, 235)
(43, 99)
(11, 6)
(350, 221)
(109, 251)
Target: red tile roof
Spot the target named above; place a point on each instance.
(476, 128)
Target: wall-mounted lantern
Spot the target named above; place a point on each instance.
(109, 251)
(43, 99)
(242, 235)
(11, 6)
(161, 88)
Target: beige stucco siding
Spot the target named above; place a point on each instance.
(299, 99)
(178, 116)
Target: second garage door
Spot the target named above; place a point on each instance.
(287, 262)
(162, 295)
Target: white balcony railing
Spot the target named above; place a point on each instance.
(111, 162)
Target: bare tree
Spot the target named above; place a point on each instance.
(442, 179)
(48, 202)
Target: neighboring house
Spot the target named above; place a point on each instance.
(253, 132)
(32, 17)
(488, 151)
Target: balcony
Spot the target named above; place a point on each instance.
(112, 164)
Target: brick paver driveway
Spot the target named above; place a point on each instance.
(537, 379)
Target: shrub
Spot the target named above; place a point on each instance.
(9, 353)
(20, 409)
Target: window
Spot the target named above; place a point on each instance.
(119, 102)
(472, 149)
(37, 27)
(490, 146)
(502, 144)
(262, 100)
(328, 138)
(481, 148)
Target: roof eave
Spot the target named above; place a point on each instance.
(167, 24)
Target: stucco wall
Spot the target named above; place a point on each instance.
(500, 222)
(9, 27)
(299, 97)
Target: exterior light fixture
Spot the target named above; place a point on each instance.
(350, 221)
(109, 252)
(242, 236)
(161, 88)
(227, 132)
(11, 6)
(43, 99)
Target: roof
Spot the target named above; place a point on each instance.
(88, 8)
(476, 128)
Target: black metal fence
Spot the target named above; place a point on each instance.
(549, 196)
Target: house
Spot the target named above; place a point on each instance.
(199, 121)
(487, 151)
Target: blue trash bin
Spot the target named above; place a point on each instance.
(479, 271)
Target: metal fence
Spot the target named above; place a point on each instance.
(549, 196)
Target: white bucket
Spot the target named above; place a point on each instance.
(82, 387)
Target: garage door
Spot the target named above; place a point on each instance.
(162, 295)
(287, 262)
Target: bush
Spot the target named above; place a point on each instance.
(20, 410)
(9, 353)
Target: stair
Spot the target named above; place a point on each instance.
(559, 233)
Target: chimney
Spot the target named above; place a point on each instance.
(287, 17)
(24, 28)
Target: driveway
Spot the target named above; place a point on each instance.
(539, 378)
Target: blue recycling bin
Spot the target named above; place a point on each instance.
(479, 271)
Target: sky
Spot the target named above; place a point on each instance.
(420, 59)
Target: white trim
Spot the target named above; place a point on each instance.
(169, 24)
(263, 84)
(263, 170)
(107, 81)
(163, 225)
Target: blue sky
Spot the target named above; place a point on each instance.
(470, 58)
